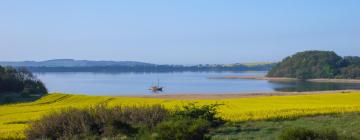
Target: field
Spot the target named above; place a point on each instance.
(15, 117)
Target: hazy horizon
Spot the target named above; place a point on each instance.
(176, 32)
(131, 61)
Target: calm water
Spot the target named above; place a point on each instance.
(174, 83)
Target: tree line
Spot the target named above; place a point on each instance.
(154, 68)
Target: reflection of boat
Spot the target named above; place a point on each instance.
(156, 88)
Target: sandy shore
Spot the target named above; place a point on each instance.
(189, 96)
(280, 79)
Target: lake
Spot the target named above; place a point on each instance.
(173, 83)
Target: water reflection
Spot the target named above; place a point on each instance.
(301, 86)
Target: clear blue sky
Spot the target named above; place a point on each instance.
(176, 32)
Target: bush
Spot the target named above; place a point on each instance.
(189, 123)
(206, 112)
(97, 121)
(143, 116)
(65, 124)
(182, 129)
(306, 134)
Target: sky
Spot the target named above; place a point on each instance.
(176, 31)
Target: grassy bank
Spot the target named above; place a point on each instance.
(347, 124)
(14, 118)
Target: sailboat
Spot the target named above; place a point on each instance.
(156, 88)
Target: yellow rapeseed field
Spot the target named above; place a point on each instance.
(15, 117)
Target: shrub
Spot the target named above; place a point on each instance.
(98, 121)
(191, 122)
(182, 129)
(206, 112)
(148, 116)
(64, 124)
(306, 134)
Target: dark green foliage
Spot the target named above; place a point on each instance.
(143, 116)
(307, 134)
(352, 60)
(67, 124)
(97, 121)
(317, 64)
(191, 122)
(352, 72)
(20, 81)
(206, 112)
(182, 129)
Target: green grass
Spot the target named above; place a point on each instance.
(347, 124)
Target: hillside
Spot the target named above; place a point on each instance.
(72, 63)
(317, 64)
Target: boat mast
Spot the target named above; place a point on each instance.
(158, 82)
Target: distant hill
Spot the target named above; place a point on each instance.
(317, 64)
(254, 64)
(70, 65)
(73, 63)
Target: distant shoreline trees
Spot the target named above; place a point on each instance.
(317, 64)
(155, 68)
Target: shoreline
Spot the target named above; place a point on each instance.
(284, 79)
(196, 96)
